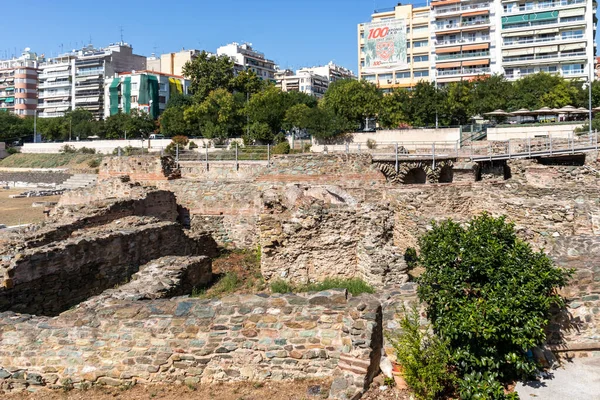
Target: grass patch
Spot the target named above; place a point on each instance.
(355, 286)
(24, 160)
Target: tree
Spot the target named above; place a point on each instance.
(208, 73)
(179, 100)
(394, 109)
(544, 90)
(325, 124)
(172, 122)
(353, 100)
(56, 128)
(490, 93)
(216, 115)
(81, 123)
(458, 102)
(490, 295)
(139, 124)
(247, 82)
(297, 116)
(115, 126)
(425, 100)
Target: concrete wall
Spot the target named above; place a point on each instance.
(3, 152)
(524, 132)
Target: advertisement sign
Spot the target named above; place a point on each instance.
(385, 45)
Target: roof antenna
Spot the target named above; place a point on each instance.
(121, 28)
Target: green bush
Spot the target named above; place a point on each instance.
(282, 148)
(489, 294)
(181, 140)
(12, 150)
(279, 138)
(411, 258)
(371, 144)
(67, 149)
(192, 145)
(475, 386)
(281, 286)
(425, 358)
(86, 150)
(94, 163)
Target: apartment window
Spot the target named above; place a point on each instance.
(385, 77)
(420, 29)
(163, 87)
(421, 43)
(420, 58)
(162, 99)
(549, 69)
(362, 35)
(134, 86)
(420, 73)
(572, 34)
(134, 99)
(572, 19)
(370, 78)
(362, 63)
(403, 75)
(570, 69)
(301, 88)
(526, 71)
(408, 29)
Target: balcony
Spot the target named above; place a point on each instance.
(477, 22)
(64, 93)
(518, 59)
(543, 6)
(463, 55)
(51, 114)
(56, 73)
(55, 104)
(464, 71)
(542, 40)
(458, 9)
(478, 39)
(463, 24)
(54, 84)
(99, 71)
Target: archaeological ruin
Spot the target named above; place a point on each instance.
(100, 293)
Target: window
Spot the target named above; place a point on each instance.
(420, 29)
(549, 69)
(134, 99)
(134, 86)
(301, 88)
(370, 78)
(362, 35)
(385, 77)
(421, 43)
(572, 34)
(163, 87)
(162, 99)
(420, 58)
(571, 19)
(362, 63)
(420, 73)
(403, 75)
(408, 29)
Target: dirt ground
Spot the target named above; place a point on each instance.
(19, 211)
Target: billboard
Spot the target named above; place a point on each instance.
(385, 45)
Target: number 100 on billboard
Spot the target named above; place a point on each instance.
(385, 45)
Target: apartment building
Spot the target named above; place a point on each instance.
(394, 48)
(56, 85)
(148, 91)
(246, 58)
(331, 71)
(18, 84)
(465, 39)
(304, 81)
(171, 63)
(554, 36)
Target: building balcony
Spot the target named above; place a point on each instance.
(45, 85)
(464, 71)
(478, 54)
(51, 114)
(516, 43)
(43, 95)
(547, 23)
(479, 39)
(545, 57)
(526, 8)
(483, 23)
(54, 104)
(459, 9)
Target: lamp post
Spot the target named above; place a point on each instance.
(591, 67)
(34, 126)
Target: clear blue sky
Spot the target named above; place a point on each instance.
(294, 33)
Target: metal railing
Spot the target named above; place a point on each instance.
(478, 39)
(463, 55)
(542, 6)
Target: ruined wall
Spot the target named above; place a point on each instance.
(222, 170)
(51, 278)
(32, 178)
(139, 168)
(190, 340)
(309, 234)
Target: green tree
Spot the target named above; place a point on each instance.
(247, 82)
(13, 127)
(353, 100)
(394, 109)
(179, 100)
(115, 126)
(490, 295)
(81, 123)
(208, 73)
(425, 100)
(490, 93)
(297, 116)
(544, 90)
(139, 124)
(216, 115)
(324, 124)
(458, 103)
(172, 122)
(56, 128)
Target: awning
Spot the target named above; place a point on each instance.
(515, 19)
(9, 100)
(64, 108)
(546, 49)
(476, 28)
(548, 30)
(479, 12)
(444, 2)
(574, 12)
(515, 34)
(475, 62)
(52, 79)
(518, 52)
(544, 16)
(56, 69)
(49, 110)
(481, 46)
(448, 65)
(447, 32)
(92, 99)
(9, 89)
(452, 49)
(572, 46)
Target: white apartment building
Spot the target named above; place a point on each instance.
(302, 81)
(56, 86)
(246, 58)
(331, 71)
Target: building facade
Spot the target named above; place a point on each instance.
(246, 58)
(330, 71)
(56, 86)
(413, 65)
(171, 63)
(302, 81)
(147, 91)
(471, 38)
(18, 84)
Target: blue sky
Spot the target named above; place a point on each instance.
(295, 33)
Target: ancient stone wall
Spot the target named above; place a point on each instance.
(53, 277)
(140, 168)
(223, 171)
(237, 338)
(309, 234)
(32, 178)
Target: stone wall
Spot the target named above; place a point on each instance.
(224, 171)
(139, 168)
(32, 179)
(53, 277)
(309, 234)
(237, 338)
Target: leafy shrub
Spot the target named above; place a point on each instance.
(172, 148)
(425, 358)
(181, 140)
(12, 150)
(411, 258)
(281, 286)
(87, 150)
(192, 145)
(279, 138)
(307, 148)
(68, 149)
(476, 386)
(282, 148)
(94, 163)
(489, 294)
(371, 144)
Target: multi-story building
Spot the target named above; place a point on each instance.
(246, 58)
(331, 71)
(148, 91)
(171, 63)
(394, 48)
(302, 81)
(555, 36)
(18, 84)
(464, 36)
(56, 86)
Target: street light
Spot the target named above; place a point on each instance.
(34, 126)
(590, 97)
